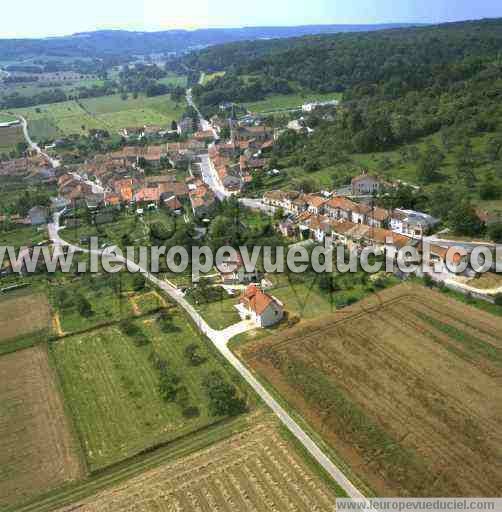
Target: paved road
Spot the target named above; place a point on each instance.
(211, 178)
(220, 339)
(34, 146)
(204, 123)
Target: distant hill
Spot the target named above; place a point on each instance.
(120, 43)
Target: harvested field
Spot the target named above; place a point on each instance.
(23, 314)
(405, 386)
(253, 471)
(36, 447)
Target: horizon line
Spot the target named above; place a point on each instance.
(244, 27)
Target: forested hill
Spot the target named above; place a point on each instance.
(414, 57)
(121, 43)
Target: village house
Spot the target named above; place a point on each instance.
(129, 133)
(287, 228)
(186, 126)
(412, 223)
(378, 217)
(315, 204)
(438, 261)
(339, 208)
(173, 204)
(365, 185)
(279, 198)
(202, 198)
(38, 215)
(150, 195)
(260, 307)
(258, 133)
(233, 271)
(152, 131)
(310, 107)
(206, 136)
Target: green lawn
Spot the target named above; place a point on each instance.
(288, 101)
(6, 118)
(111, 388)
(220, 314)
(173, 79)
(22, 236)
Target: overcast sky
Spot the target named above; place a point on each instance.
(35, 18)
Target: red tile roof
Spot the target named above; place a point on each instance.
(256, 300)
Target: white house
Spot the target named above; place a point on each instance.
(260, 307)
(365, 185)
(411, 223)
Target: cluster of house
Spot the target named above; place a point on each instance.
(202, 198)
(302, 207)
(123, 188)
(234, 161)
(155, 155)
(137, 133)
(354, 225)
(31, 168)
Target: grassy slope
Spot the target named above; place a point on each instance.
(398, 169)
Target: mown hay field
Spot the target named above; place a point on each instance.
(108, 113)
(36, 446)
(257, 470)
(10, 137)
(111, 385)
(405, 387)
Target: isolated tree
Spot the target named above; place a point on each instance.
(83, 306)
(464, 220)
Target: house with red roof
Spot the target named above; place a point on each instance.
(260, 307)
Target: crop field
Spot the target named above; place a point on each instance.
(9, 137)
(112, 387)
(107, 112)
(23, 313)
(257, 470)
(405, 386)
(36, 447)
